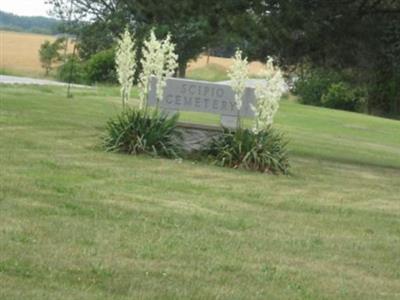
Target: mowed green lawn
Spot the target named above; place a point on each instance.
(79, 223)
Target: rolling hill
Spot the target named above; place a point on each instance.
(42, 25)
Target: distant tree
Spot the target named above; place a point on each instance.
(71, 23)
(49, 54)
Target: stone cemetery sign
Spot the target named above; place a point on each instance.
(203, 96)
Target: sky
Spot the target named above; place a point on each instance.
(25, 7)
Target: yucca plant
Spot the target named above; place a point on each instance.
(263, 151)
(136, 132)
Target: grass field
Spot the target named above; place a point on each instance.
(78, 223)
(210, 72)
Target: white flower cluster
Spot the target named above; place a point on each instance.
(125, 60)
(159, 60)
(268, 96)
(238, 74)
(170, 57)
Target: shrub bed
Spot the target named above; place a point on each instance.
(313, 85)
(101, 67)
(72, 71)
(137, 132)
(342, 96)
(329, 89)
(263, 151)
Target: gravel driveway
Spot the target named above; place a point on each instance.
(5, 79)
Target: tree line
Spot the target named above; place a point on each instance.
(43, 25)
(358, 39)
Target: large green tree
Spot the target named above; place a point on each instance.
(195, 25)
(358, 35)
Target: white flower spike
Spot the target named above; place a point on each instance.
(159, 60)
(238, 75)
(125, 60)
(268, 96)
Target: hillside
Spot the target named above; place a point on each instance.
(79, 223)
(43, 25)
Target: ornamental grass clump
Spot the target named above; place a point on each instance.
(136, 132)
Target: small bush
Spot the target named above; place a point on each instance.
(384, 97)
(264, 151)
(342, 96)
(101, 67)
(313, 85)
(135, 132)
(72, 70)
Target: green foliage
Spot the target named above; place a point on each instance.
(329, 89)
(264, 151)
(313, 85)
(136, 132)
(342, 96)
(95, 37)
(101, 67)
(49, 53)
(361, 36)
(385, 95)
(72, 71)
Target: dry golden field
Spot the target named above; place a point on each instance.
(19, 55)
(19, 52)
(254, 67)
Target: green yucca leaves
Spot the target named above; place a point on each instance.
(136, 132)
(264, 151)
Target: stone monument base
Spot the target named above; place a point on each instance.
(196, 136)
